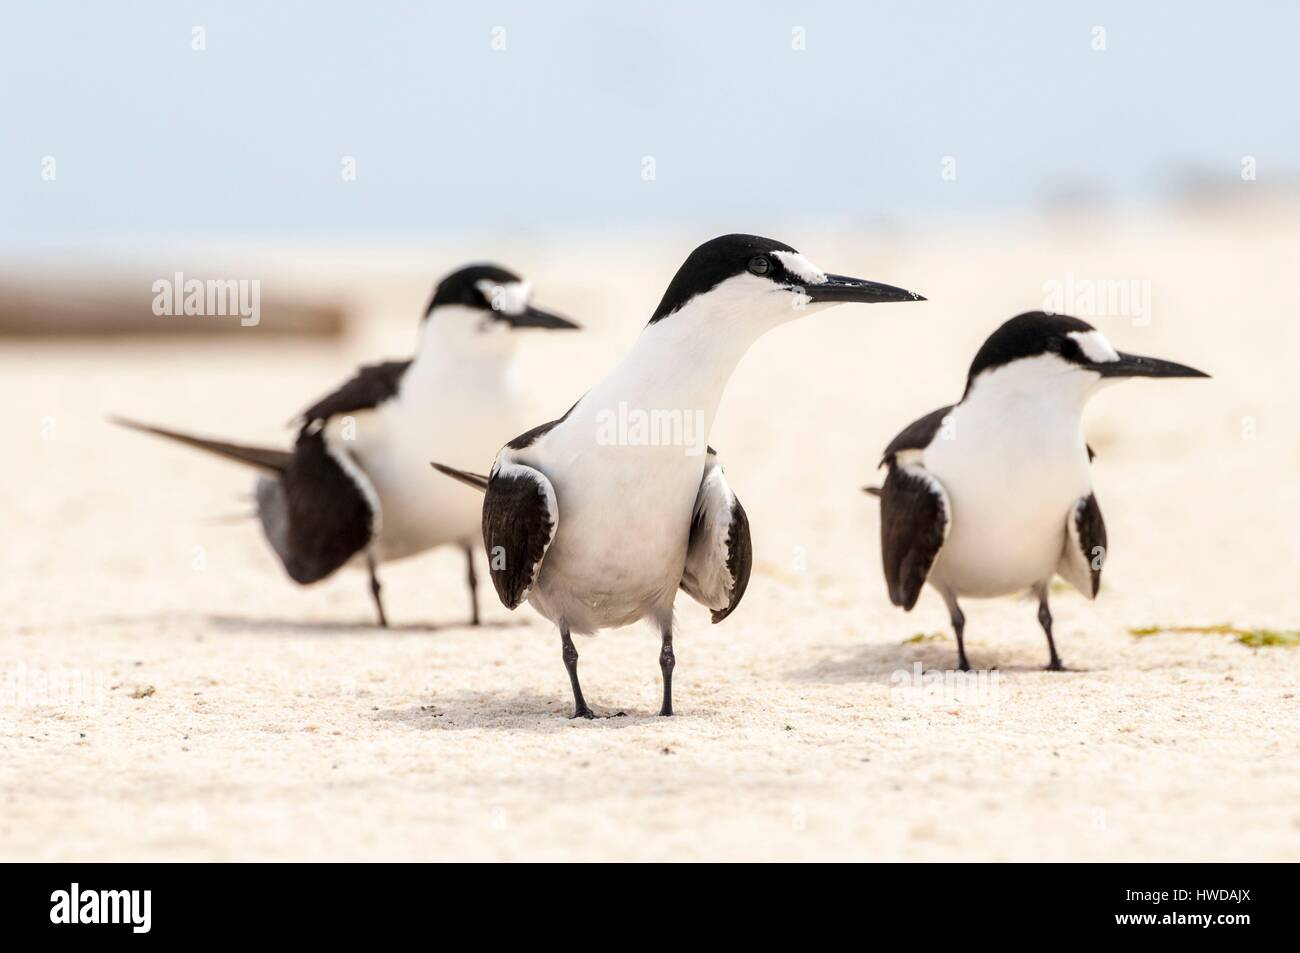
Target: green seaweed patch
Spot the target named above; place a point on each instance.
(1256, 638)
(1259, 637)
(924, 637)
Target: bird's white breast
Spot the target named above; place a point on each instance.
(624, 525)
(436, 415)
(1014, 463)
(625, 504)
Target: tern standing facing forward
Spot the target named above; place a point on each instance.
(356, 483)
(597, 525)
(993, 496)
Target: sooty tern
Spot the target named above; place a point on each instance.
(355, 485)
(596, 524)
(992, 496)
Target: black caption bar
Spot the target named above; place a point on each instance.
(128, 903)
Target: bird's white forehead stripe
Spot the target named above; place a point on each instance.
(800, 267)
(1094, 346)
(509, 298)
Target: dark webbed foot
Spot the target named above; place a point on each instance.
(587, 713)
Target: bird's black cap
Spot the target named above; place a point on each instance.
(728, 255)
(713, 263)
(471, 287)
(1028, 335)
(462, 287)
(1040, 332)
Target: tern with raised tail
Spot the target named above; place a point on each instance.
(355, 486)
(598, 518)
(992, 496)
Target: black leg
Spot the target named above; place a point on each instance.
(472, 579)
(666, 663)
(375, 590)
(570, 656)
(959, 627)
(1045, 620)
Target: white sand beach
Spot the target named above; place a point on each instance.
(166, 693)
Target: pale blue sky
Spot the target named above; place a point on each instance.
(246, 138)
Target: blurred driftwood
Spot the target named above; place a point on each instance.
(40, 305)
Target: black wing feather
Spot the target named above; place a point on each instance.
(368, 388)
(517, 529)
(913, 525)
(530, 437)
(719, 554)
(327, 518)
(1092, 538)
(740, 559)
(917, 435)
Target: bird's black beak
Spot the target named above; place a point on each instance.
(532, 317)
(843, 288)
(1134, 365)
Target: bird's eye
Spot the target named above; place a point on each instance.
(759, 265)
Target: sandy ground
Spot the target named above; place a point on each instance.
(168, 694)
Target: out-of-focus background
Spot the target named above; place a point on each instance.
(166, 692)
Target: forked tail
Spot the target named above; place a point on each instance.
(476, 480)
(272, 461)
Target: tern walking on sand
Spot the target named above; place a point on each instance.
(992, 496)
(355, 486)
(596, 519)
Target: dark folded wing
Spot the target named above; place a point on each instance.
(530, 437)
(915, 515)
(520, 517)
(719, 556)
(917, 435)
(320, 512)
(368, 388)
(1085, 547)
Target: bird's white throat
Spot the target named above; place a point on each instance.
(454, 334)
(678, 369)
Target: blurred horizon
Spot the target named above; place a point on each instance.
(517, 120)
